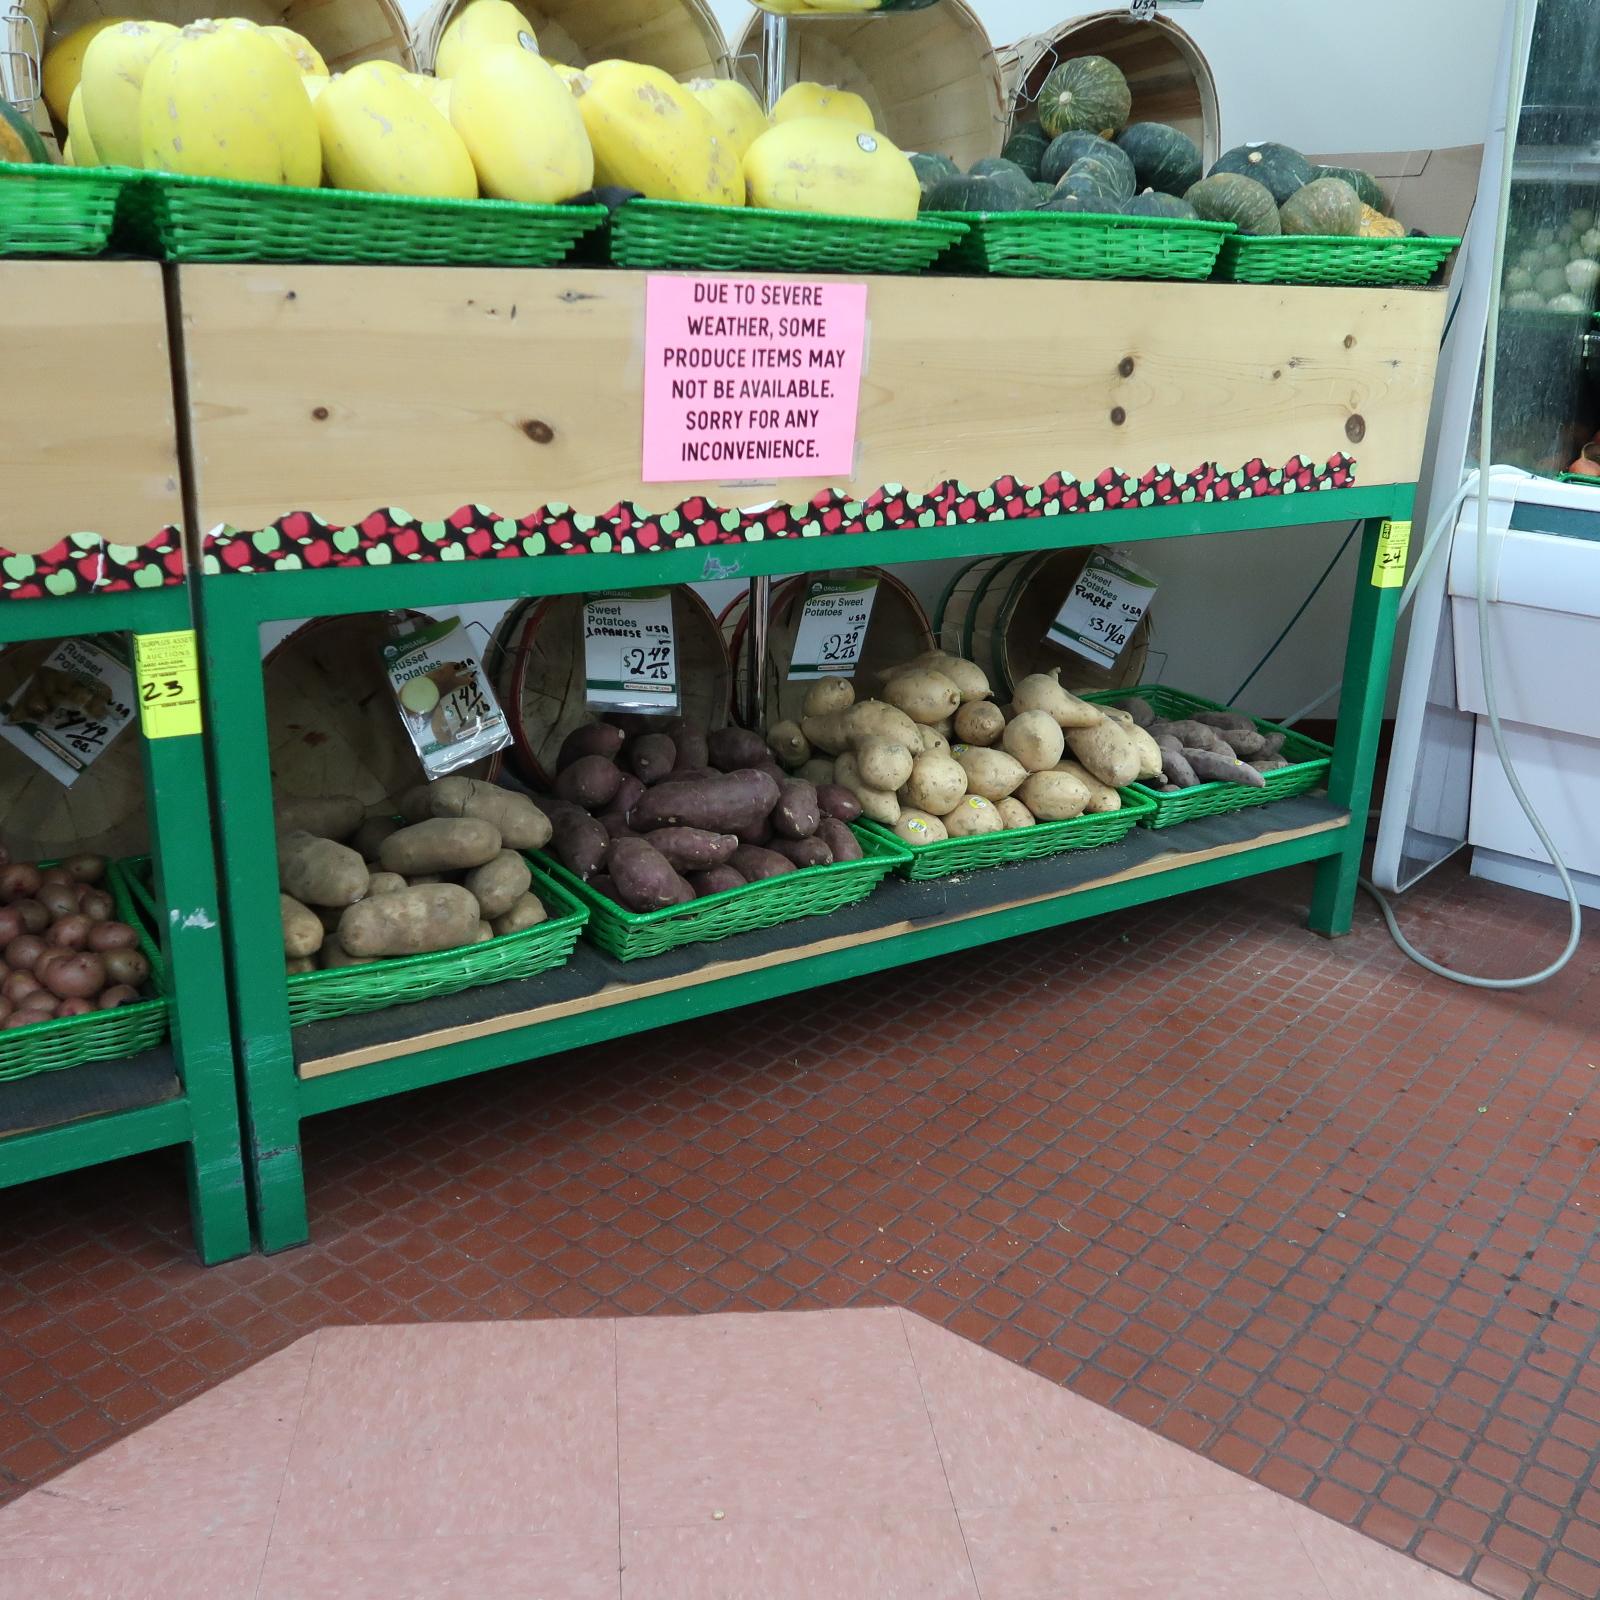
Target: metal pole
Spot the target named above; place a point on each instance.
(774, 67)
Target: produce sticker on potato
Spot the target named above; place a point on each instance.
(446, 704)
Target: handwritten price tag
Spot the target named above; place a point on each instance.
(169, 684)
(67, 713)
(833, 629)
(1389, 565)
(630, 651)
(1098, 618)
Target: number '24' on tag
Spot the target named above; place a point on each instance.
(1104, 606)
(630, 651)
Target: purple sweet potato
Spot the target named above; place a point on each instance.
(1209, 767)
(694, 849)
(724, 804)
(839, 839)
(732, 748)
(836, 801)
(798, 810)
(645, 880)
(651, 757)
(591, 782)
(596, 739)
(812, 852)
(715, 879)
(580, 844)
(756, 863)
(691, 745)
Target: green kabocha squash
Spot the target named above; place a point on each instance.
(1027, 147)
(1114, 176)
(1279, 168)
(1363, 183)
(1071, 148)
(1087, 94)
(992, 166)
(1327, 206)
(19, 139)
(983, 191)
(1044, 191)
(931, 169)
(1152, 203)
(1093, 205)
(1229, 197)
(1087, 180)
(1163, 158)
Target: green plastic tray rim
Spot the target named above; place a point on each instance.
(1085, 244)
(1088, 832)
(181, 218)
(809, 891)
(1307, 769)
(102, 1035)
(57, 211)
(1316, 258)
(678, 233)
(343, 991)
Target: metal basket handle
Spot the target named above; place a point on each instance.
(21, 69)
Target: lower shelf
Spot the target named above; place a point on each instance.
(344, 1060)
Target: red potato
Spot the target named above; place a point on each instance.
(6, 1008)
(23, 951)
(19, 882)
(113, 936)
(75, 1008)
(85, 868)
(50, 954)
(35, 918)
(54, 875)
(59, 899)
(71, 932)
(119, 994)
(19, 986)
(125, 966)
(76, 977)
(25, 1019)
(97, 905)
(11, 924)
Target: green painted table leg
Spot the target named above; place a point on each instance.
(1368, 653)
(236, 713)
(186, 886)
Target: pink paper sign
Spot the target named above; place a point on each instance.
(751, 379)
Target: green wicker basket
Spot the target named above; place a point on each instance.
(57, 211)
(944, 856)
(1316, 258)
(102, 1035)
(1307, 770)
(661, 234)
(1063, 244)
(342, 991)
(809, 892)
(211, 219)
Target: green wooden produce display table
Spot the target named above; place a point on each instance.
(1178, 411)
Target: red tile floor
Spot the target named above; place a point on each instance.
(1294, 1205)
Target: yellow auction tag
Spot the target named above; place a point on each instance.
(169, 684)
(1394, 545)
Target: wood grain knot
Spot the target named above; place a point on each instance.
(1355, 428)
(539, 432)
(1349, 341)
(1125, 366)
(1118, 416)
(319, 414)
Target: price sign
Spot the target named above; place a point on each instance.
(630, 652)
(1389, 565)
(169, 684)
(833, 629)
(79, 698)
(1107, 603)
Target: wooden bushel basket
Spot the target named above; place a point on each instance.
(995, 613)
(1166, 70)
(682, 37)
(332, 724)
(898, 630)
(344, 31)
(103, 812)
(930, 77)
(536, 663)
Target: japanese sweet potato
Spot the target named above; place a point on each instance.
(798, 810)
(580, 844)
(645, 880)
(651, 757)
(811, 852)
(754, 863)
(732, 748)
(730, 803)
(693, 849)
(595, 739)
(839, 839)
(591, 782)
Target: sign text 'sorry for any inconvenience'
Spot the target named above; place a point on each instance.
(751, 379)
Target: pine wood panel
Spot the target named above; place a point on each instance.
(87, 442)
(338, 390)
